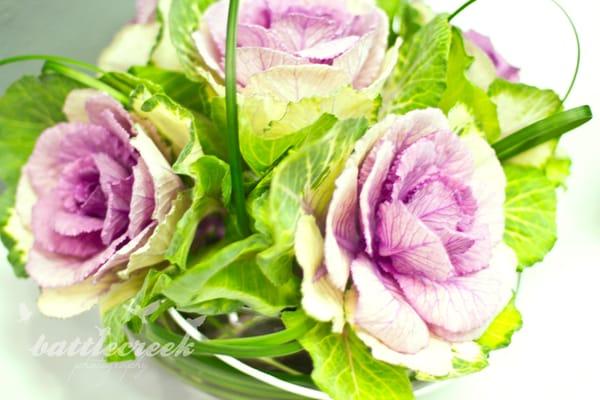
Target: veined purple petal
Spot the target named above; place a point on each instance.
(46, 238)
(69, 224)
(317, 32)
(79, 185)
(382, 311)
(342, 240)
(411, 246)
(253, 60)
(476, 257)
(256, 36)
(51, 270)
(121, 256)
(142, 199)
(110, 171)
(503, 69)
(371, 192)
(44, 168)
(435, 205)
(415, 166)
(105, 111)
(374, 30)
(327, 52)
(297, 32)
(82, 140)
(116, 221)
(462, 304)
(355, 57)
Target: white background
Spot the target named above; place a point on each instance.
(553, 357)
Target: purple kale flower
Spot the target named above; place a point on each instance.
(416, 223)
(345, 35)
(99, 187)
(504, 70)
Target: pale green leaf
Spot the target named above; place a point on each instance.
(184, 19)
(462, 91)
(558, 170)
(499, 334)
(278, 108)
(302, 183)
(231, 273)
(125, 305)
(344, 368)
(419, 80)
(530, 211)
(212, 186)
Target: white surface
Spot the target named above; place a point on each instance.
(555, 356)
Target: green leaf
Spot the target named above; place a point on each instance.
(461, 90)
(271, 124)
(125, 305)
(163, 53)
(231, 273)
(210, 194)
(184, 103)
(530, 211)
(213, 307)
(303, 181)
(262, 151)
(558, 170)
(28, 107)
(499, 334)
(184, 19)
(345, 369)
(519, 106)
(194, 95)
(406, 17)
(419, 80)
(175, 123)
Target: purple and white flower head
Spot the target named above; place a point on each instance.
(343, 35)
(415, 224)
(92, 194)
(503, 68)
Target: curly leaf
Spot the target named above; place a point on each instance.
(419, 80)
(209, 196)
(184, 19)
(303, 181)
(231, 273)
(461, 90)
(345, 369)
(500, 332)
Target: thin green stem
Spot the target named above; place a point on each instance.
(235, 156)
(86, 80)
(281, 366)
(552, 127)
(56, 59)
(578, 50)
(460, 9)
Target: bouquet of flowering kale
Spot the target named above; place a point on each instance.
(332, 198)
